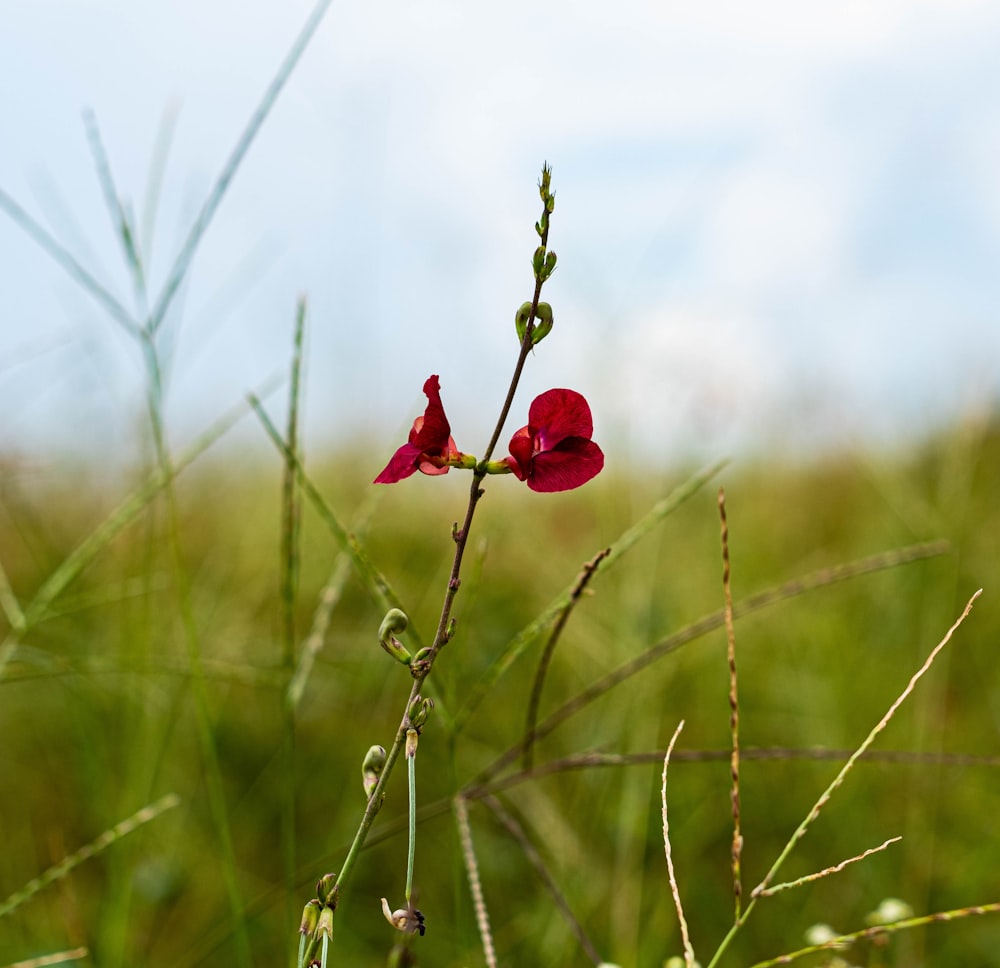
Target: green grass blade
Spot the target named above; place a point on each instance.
(126, 512)
(183, 261)
(68, 262)
(69, 863)
(374, 582)
(627, 540)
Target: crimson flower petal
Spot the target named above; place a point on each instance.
(554, 451)
(430, 445)
(571, 463)
(558, 414)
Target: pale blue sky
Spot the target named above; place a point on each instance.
(775, 221)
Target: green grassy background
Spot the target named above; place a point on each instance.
(100, 712)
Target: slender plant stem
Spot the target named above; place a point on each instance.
(290, 515)
(444, 630)
(411, 773)
(736, 848)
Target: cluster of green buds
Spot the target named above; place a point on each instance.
(315, 931)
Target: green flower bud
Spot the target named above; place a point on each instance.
(421, 663)
(538, 260)
(395, 621)
(419, 711)
(310, 917)
(545, 184)
(550, 264)
(326, 886)
(325, 927)
(371, 768)
(543, 325)
(521, 318)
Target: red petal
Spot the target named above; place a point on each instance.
(431, 433)
(574, 462)
(402, 464)
(521, 448)
(558, 414)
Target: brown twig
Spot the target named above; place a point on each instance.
(531, 717)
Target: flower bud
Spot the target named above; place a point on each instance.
(543, 326)
(326, 887)
(521, 318)
(549, 266)
(421, 663)
(538, 260)
(419, 711)
(395, 621)
(371, 768)
(310, 917)
(325, 927)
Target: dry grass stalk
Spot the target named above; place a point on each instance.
(674, 892)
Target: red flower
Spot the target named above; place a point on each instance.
(555, 452)
(430, 447)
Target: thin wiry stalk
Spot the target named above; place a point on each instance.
(374, 582)
(514, 828)
(154, 180)
(837, 781)
(103, 842)
(671, 876)
(10, 605)
(183, 261)
(827, 871)
(941, 917)
(121, 222)
(84, 554)
(514, 649)
(708, 623)
(290, 519)
(444, 630)
(203, 716)
(534, 701)
(69, 263)
(736, 849)
(411, 789)
(58, 958)
(475, 885)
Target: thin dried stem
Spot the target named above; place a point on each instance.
(674, 891)
(515, 829)
(734, 711)
(836, 869)
(702, 626)
(531, 718)
(880, 930)
(475, 885)
(101, 843)
(838, 780)
(57, 958)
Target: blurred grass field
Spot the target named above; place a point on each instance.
(100, 711)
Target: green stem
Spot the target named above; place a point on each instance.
(411, 769)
